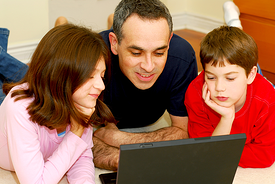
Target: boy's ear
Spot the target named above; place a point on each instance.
(252, 75)
(113, 42)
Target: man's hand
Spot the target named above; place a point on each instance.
(109, 134)
(108, 139)
(105, 156)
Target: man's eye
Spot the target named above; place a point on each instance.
(136, 53)
(159, 53)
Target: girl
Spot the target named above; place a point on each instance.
(46, 119)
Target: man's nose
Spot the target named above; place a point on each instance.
(148, 64)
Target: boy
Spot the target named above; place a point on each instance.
(229, 97)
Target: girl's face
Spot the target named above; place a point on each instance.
(85, 96)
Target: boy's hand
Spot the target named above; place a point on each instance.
(225, 112)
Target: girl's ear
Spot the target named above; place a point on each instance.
(113, 42)
(252, 75)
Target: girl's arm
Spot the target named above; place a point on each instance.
(37, 155)
(83, 169)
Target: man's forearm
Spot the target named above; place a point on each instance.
(105, 156)
(163, 134)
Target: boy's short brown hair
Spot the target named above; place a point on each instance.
(229, 44)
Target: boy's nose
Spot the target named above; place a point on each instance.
(220, 85)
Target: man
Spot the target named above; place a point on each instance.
(151, 70)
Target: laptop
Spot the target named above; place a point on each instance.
(197, 160)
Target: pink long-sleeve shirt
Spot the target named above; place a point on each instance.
(36, 153)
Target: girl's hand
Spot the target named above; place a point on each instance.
(225, 112)
(77, 128)
(87, 111)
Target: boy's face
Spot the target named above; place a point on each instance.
(227, 84)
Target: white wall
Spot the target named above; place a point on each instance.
(29, 20)
(91, 13)
(209, 8)
(198, 15)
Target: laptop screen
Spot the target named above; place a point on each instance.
(200, 160)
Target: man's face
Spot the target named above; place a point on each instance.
(227, 84)
(143, 50)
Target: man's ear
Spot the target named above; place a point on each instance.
(252, 75)
(113, 42)
(170, 39)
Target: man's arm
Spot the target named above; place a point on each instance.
(111, 135)
(105, 156)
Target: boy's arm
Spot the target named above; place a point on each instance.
(202, 122)
(259, 150)
(199, 124)
(227, 114)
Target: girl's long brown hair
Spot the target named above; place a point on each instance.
(63, 60)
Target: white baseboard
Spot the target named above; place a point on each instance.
(195, 22)
(23, 52)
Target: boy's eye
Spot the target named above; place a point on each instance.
(210, 78)
(231, 79)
